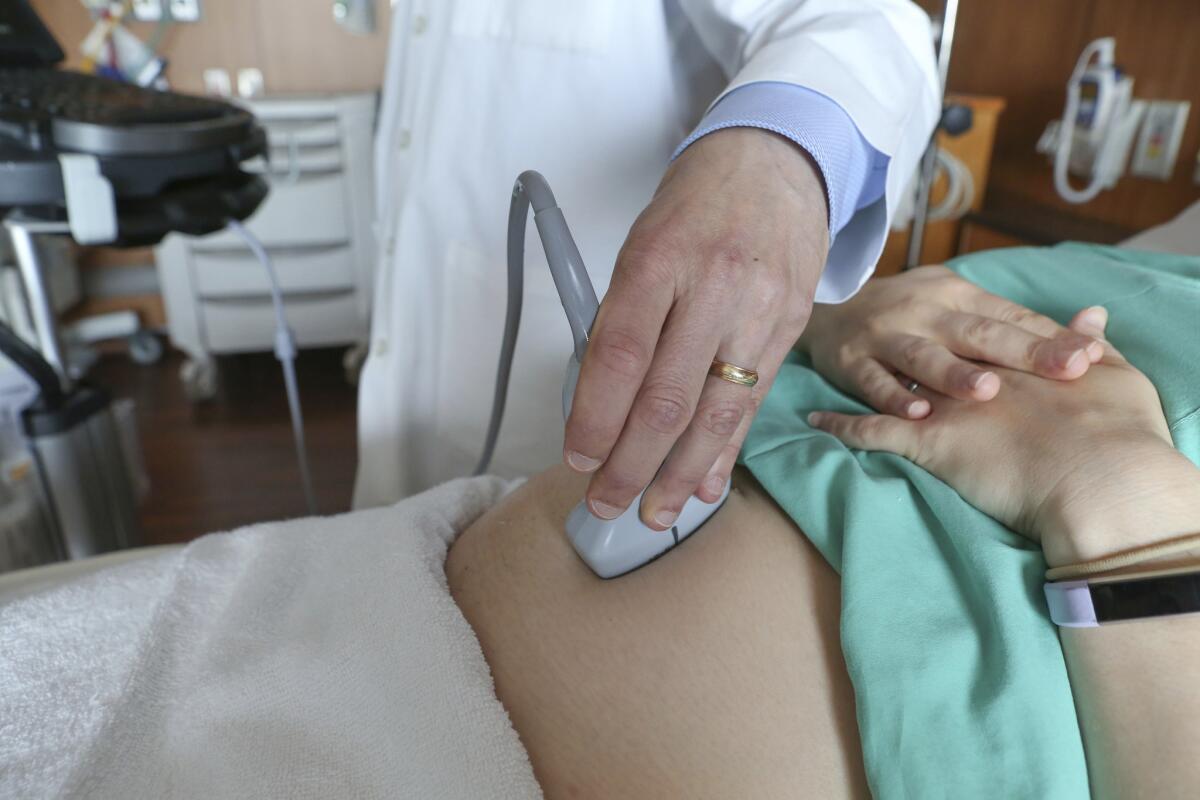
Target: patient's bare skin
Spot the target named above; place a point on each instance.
(713, 672)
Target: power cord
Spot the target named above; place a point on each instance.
(960, 188)
(285, 351)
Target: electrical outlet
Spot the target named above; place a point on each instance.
(249, 83)
(217, 83)
(148, 10)
(1158, 143)
(184, 10)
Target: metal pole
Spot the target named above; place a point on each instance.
(24, 235)
(929, 160)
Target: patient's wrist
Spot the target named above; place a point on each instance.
(1146, 494)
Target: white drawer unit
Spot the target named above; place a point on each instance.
(316, 224)
(243, 324)
(225, 274)
(311, 210)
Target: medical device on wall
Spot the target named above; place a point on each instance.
(356, 16)
(1093, 139)
(609, 547)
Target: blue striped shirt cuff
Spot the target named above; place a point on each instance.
(855, 173)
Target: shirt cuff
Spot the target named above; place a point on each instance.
(855, 173)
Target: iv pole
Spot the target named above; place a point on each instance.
(945, 42)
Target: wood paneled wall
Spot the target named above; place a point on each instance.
(295, 43)
(1024, 50)
(1021, 50)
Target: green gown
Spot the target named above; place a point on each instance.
(960, 681)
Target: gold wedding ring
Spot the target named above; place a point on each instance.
(733, 373)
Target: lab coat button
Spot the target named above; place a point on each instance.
(381, 347)
(419, 24)
(404, 139)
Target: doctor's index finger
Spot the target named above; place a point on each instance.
(620, 348)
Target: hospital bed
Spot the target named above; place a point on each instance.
(336, 614)
(1180, 235)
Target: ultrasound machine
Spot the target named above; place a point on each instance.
(102, 162)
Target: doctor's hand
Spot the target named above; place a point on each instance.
(933, 327)
(722, 264)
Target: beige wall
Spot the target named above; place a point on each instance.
(295, 43)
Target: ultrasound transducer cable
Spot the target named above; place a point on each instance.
(610, 547)
(285, 351)
(570, 279)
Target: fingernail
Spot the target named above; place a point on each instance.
(917, 408)
(1095, 318)
(604, 510)
(978, 378)
(814, 419)
(666, 518)
(714, 485)
(580, 462)
(1075, 360)
(1095, 352)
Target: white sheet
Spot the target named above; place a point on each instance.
(1181, 235)
(316, 658)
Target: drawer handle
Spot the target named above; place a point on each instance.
(259, 167)
(263, 298)
(293, 148)
(236, 252)
(294, 119)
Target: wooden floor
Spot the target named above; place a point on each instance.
(230, 461)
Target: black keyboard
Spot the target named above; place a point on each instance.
(49, 109)
(172, 160)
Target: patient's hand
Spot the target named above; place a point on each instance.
(1085, 468)
(932, 325)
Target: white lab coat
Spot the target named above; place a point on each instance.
(595, 94)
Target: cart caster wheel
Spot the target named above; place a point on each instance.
(199, 377)
(145, 348)
(352, 362)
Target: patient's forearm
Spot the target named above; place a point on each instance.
(1139, 708)
(1135, 683)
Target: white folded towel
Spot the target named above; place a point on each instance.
(317, 658)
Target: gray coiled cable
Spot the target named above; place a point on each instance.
(570, 276)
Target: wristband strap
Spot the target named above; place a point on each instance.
(1084, 604)
(1125, 558)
